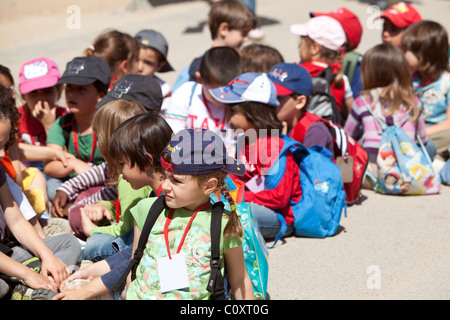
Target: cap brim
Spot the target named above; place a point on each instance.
(38, 83)
(228, 97)
(167, 67)
(81, 81)
(237, 168)
(299, 29)
(282, 91)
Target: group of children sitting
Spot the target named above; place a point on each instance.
(125, 138)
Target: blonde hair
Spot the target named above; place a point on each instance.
(107, 119)
(234, 226)
(385, 66)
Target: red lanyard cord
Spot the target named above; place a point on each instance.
(169, 220)
(76, 145)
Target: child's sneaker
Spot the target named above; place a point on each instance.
(23, 292)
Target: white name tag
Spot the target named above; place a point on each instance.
(173, 273)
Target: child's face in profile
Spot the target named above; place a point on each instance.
(237, 120)
(208, 96)
(148, 62)
(182, 191)
(392, 34)
(41, 98)
(411, 59)
(234, 38)
(132, 174)
(5, 128)
(82, 99)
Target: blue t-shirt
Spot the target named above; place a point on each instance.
(435, 97)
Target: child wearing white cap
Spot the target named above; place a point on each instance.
(322, 42)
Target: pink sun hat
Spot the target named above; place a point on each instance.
(38, 74)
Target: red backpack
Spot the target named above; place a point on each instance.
(349, 155)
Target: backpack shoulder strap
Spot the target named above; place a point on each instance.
(67, 127)
(349, 64)
(216, 283)
(153, 214)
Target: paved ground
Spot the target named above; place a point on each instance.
(389, 247)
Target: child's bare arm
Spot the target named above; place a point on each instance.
(238, 276)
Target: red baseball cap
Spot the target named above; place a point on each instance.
(349, 22)
(402, 15)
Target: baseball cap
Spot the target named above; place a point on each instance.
(401, 15)
(199, 151)
(38, 74)
(250, 86)
(324, 30)
(138, 88)
(85, 70)
(155, 40)
(349, 22)
(290, 78)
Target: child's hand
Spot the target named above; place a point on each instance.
(44, 113)
(96, 212)
(63, 156)
(59, 204)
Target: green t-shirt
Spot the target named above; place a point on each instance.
(128, 198)
(196, 247)
(85, 142)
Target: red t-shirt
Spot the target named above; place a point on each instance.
(31, 130)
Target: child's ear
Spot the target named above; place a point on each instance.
(199, 77)
(151, 159)
(161, 65)
(223, 29)
(300, 102)
(210, 186)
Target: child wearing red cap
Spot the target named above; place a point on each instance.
(396, 19)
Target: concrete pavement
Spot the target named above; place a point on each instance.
(388, 247)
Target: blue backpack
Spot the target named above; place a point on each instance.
(318, 212)
(256, 255)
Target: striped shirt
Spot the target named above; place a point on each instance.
(360, 121)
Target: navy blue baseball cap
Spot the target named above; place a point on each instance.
(199, 151)
(85, 70)
(137, 88)
(291, 78)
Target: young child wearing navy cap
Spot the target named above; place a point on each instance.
(87, 80)
(294, 87)
(195, 165)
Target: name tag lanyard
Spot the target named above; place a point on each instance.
(169, 220)
(75, 143)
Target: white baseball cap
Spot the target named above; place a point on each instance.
(324, 30)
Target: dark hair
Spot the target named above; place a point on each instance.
(139, 136)
(235, 13)
(220, 65)
(258, 57)
(260, 115)
(385, 66)
(8, 111)
(428, 41)
(7, 73)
